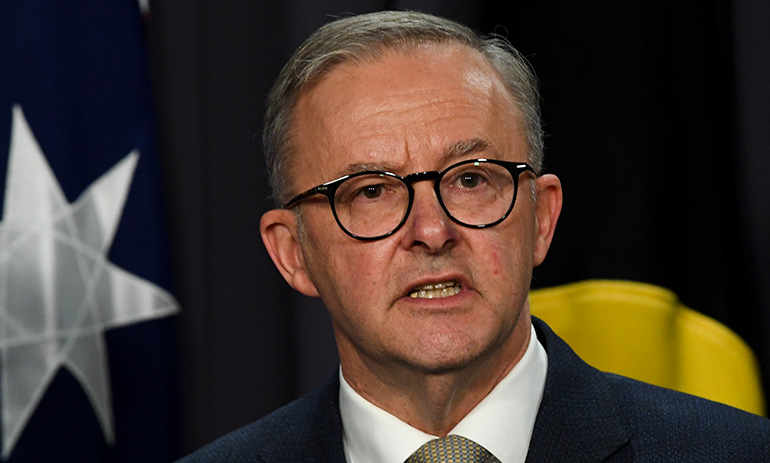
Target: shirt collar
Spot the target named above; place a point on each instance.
(502, 422)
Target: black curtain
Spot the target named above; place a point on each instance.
(657, 117)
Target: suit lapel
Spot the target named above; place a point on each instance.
(579, 419)
(328, 442)
(325, 442)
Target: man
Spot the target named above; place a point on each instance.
(406, 154)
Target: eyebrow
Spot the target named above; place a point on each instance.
(464, 147)
(366, 167)
(455, 150)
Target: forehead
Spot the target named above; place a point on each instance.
(402, 110)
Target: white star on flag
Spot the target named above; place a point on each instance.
(58, 291)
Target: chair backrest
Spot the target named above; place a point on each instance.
(644, 332)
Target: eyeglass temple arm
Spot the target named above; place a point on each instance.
(319, 190)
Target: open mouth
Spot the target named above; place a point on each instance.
(436, 291)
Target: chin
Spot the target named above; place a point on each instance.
(445, 356)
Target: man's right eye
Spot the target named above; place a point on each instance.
(371, 191)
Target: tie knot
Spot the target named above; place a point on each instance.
(450, 449)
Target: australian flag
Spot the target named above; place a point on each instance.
(87, 347)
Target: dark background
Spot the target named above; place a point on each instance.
(657, 117)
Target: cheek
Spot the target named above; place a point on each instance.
(496, 264)
(357, 269)
(509, 261)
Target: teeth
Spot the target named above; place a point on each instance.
(435, 291)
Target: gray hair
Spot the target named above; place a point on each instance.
(367, 37)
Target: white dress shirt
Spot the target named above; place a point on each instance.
(502, 422)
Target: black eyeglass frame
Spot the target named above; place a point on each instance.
(329, 189)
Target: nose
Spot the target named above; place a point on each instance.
(428, 227)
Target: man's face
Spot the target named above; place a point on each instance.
(409, 112)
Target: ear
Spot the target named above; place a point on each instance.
(547, 210)
(278, 228)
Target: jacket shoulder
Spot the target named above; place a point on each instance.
(597, 416)
(306, 430)
(660, 418)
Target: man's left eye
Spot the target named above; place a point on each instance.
(470, 180)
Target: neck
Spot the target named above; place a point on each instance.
(434, 401)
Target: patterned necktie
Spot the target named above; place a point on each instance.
(450, 449)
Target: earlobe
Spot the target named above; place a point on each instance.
(547, 210)
(278, 228)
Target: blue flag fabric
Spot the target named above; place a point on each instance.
(87, 345)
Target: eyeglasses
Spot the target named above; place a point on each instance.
(372, 205)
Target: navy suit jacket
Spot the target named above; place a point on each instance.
(585, 416)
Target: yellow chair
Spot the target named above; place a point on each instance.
(644, 332)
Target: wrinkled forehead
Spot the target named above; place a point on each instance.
(399, 112)
(478, 75)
